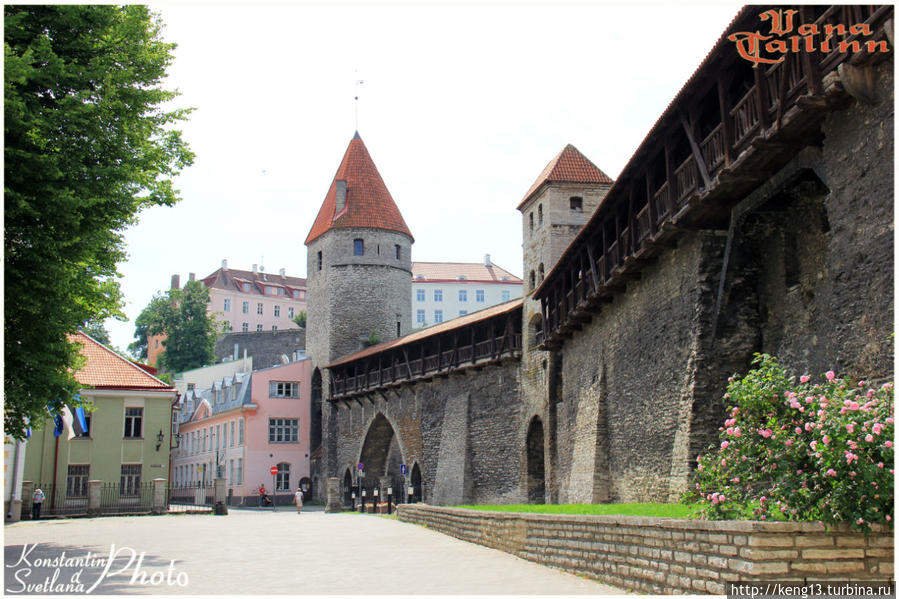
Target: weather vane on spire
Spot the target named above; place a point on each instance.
(356, 100)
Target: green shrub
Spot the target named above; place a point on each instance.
(800, 451)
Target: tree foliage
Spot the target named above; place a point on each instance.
(87, 147)
(300, 319)
(190, 331)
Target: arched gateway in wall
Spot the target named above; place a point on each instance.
(382, 456)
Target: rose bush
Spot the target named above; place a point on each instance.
(800, 450)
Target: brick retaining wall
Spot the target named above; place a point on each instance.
(667, 555)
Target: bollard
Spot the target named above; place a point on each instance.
(389, 500)
(362, 503)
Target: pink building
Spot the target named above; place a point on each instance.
(241, 425)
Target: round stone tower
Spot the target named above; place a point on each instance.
(359, 276)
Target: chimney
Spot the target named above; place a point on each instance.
(283, 272)
(487, 261)
(225, 264)
(176, 281)
(255, 268)
(341, 196)
(192, 276)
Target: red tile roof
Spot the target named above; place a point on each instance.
(474, 272)
(569, 166)
(105, 369)
(368, 203)
(443, 327)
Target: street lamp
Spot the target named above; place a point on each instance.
(159, 439)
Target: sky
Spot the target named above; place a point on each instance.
(461, 106)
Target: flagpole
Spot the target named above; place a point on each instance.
(55, 463)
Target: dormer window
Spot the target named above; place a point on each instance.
(420, 277)
(461, 278)
(246, 287)
(576, 204)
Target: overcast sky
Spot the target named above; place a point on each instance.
(462, 106)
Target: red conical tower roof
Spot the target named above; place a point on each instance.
(368, 203)
(569, 166)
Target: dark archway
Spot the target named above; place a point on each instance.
(381, 452)
(315, 417)
(536, 482)
(347, 488)
(415, 481)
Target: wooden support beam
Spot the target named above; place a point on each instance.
(782, 98)
(593, 266)
(697, 154)
(726, 123)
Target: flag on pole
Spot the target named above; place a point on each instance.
(80, 424)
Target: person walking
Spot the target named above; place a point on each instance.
(37, 500)
(298, 499)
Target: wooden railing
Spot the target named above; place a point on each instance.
(754, 112)
(444, 361)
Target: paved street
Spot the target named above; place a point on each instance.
(252, 552)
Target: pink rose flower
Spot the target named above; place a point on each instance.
(831, 472)
(804, 378)
(829, 375)
(869, 438)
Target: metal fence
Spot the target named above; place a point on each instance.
(118, 499)
(59, 501)
(197, 495)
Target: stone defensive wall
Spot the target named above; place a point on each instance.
(668, 555)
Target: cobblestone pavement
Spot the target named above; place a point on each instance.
(261, 552)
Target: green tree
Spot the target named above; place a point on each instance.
(87, 147)
(97, 330)
(138, 348)
(300, 319)
(190, 331)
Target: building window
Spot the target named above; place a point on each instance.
(479, 295)
(227, 305)
(129, 485)
(438, 295)
(76, 481)
(419, 295)
(240, 432)
(396, 251)
(282, 480)
(259, 308)
(230, 472)
(463, 295)
(232, 433)
(283, 389)
(290, 312)
(274, 327)
(258, 328)
(438, 316)
(533, 280)
(246, 287)
(239, 480)
(277, 311)
(540, 273)
(539, 215)
(283, 430)
(133, 421)
(244, 327)
(270, 290)
(463, 312)
(506, 295)
(224, 435)
(319, 261)
(531, 219)
(245, 307)
(218, 436)
(420, 316)
(358, 247)
(576, 204)
(87, 430)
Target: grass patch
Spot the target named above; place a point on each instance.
(664, 510)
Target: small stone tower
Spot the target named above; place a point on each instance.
(359, 274)
(554, 210)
